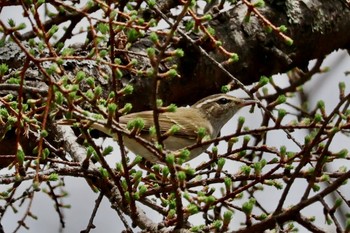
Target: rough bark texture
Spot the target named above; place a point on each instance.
(316, 27)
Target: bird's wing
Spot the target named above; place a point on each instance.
(189, 123)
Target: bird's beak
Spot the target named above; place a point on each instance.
(247, 102)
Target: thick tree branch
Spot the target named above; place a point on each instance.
(317, 28)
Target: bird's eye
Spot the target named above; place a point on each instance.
(223, 101)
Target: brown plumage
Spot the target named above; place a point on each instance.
(210, 113)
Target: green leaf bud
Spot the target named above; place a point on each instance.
(221, 163)
(268, 28)
(112, 107)
(132, 34)
(171, 108)
(67, 52)
(227, 217)
(98, 90)
(54, 28)
(142, 189)
(283, 28)
(192, 209)
(21, 26)
(234, 57)
(170, 158)
(225, 88)
(171, 214)
(103, 172)
(289, 41)
(259, 3)
(190, 171)
(53, 177)
(316, 188)
(150, 72)
(179, 53)
(324, 178)
(202, 132)
(247, 207)
(137, 160)
(307, 139)
(45, 153)
(156, 168)
(320, 104)
(151, 52)
(281, 113)
(338, 203)
(206, 17)
(20, 155)
(181, 175)
(281, 99)
(218, 43)
(189, 25)
(44, 133)
(90, 81)
(210, 199)
(185, 154)
(317, 118)
(342, 153)
(137, 123)
(3, 69)
(154, 37)
(171, 73)
(138, 175)
(103, 53)
(245, 169)
(127, 108)
(165, 172)
(107, 150)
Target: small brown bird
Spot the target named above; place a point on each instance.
(210, 113)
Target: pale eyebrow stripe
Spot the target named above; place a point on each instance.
(208, 101)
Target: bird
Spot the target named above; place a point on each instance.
(209, 114)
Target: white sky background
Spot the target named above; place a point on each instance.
(81, 198)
